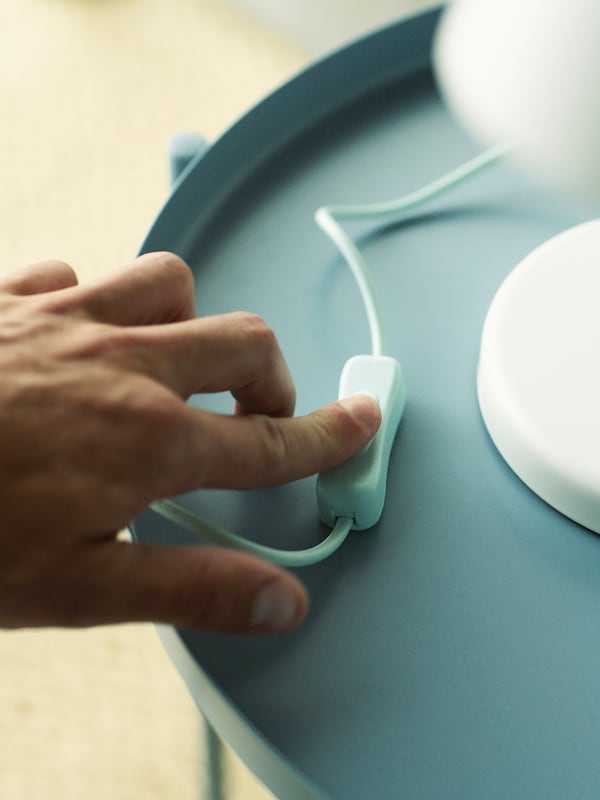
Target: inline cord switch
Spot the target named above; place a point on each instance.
(356, 488)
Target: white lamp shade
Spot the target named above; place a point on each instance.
(528, 72)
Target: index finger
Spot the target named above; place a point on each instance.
(256, 451)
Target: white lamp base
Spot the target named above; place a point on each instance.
(539, 372)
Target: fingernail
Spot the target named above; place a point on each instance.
(363, 407)
(275, 607)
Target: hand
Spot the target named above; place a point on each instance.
(94, 426)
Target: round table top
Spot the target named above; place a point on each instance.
(450, 651)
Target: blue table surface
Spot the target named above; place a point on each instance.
(451, 651)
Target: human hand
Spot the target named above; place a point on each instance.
(94, 426)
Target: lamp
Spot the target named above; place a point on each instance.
(528, 72)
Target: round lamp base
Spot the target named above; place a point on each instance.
(539, 372)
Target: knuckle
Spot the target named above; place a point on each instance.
(179, 272)
(156, 409)
(179, 291)
(105, 343)
(63, 273)
(114, 346)
(40, 278)
(253, 327)
(167, 277)
(276, 447)
(61, 267)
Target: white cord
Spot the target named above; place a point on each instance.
(285, 558)
(327, 218)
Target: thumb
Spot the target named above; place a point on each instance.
(206, 588)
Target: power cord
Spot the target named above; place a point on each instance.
(352, 495)
(285, 558)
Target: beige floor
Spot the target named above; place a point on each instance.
(90, 91)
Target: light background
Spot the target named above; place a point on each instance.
(90, 92)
